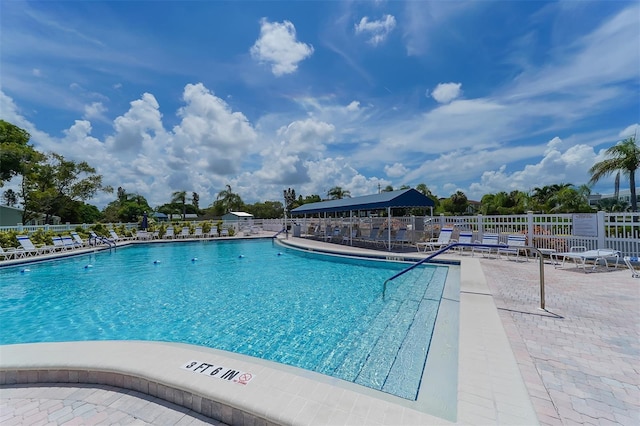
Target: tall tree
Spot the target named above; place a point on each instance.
(50, 185)
(181, 198)
(16, 155)
(337, 193)
(624, 157)
(195, 200)
(227, 201)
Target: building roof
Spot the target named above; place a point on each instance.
(393, 199)
(241, 214)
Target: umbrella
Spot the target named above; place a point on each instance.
(145, 221)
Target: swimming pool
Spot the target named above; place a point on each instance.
(250, 297)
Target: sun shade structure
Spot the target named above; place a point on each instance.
(385, 200)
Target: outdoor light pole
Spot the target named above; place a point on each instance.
(289, 198)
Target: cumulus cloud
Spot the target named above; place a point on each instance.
(395, 170)
(353, 106)
(377, 31)
(94, 110)
(446, 92)
(278, 46)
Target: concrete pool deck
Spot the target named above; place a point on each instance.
(576, 362)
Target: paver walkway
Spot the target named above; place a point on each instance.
(80, 404)
(581, 358)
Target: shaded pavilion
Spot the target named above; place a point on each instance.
(406, 198)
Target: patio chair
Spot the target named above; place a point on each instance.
(198, 232)
(185, 233)
(465, 237)
(490, 240)
(581, 256)
(169, 233)
(31, 249)
(115, 237)
(373, 235)
(224, 232)
(11, 253)
(68, 242)
(635, 271)
(400, 238)
(444, 239)
(78, 241)
(514, 244)
(349, 237)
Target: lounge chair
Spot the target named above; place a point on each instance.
(444, 239)
(185, 233)
(198, 232)
(514, 244)
(68, 242)
(115, 237)
(58, 244)
(635, 271)
(400, 238)
(581, 256)
(30, 249)
(465, 237)
(488, 240)
(78, 241)
(373, 235)
(11, 253)
(169, 233)
(224, 232)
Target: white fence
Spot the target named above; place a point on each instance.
(618, 231)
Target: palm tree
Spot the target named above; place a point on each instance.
(228, 200)
(180, 197)
(624, 157)
(337, 193)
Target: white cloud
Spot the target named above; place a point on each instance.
(395, 170)
(377, 31)
(353, 106)
(278, 46)
(446, 92)
(94, 110)
(36, 72)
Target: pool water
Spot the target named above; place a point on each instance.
(317, 312)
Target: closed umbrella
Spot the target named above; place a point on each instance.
(145, 221)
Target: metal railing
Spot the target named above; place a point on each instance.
(492, 246)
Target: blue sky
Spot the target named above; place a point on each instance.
(191, 96)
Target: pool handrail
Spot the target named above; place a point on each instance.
(452, 245)
(279, 232)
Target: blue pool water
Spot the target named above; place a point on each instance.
(320, 313)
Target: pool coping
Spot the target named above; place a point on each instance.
(490, 388)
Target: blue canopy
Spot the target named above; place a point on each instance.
(393, 199)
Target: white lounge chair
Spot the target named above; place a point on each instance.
(30, 249)
(115, 237)
(580, 257)
(224, 232)
(68, 242)
(11, 253)
(635, 270)
(185, 232)
(465, 237)
(488, 239)
(444, 239)
(169, 233)
(514, 242)
(198, 232)
(78, 241)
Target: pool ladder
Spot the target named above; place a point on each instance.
(453, 245)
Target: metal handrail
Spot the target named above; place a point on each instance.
(452, 245)
(279, 232)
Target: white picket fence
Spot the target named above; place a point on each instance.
(618, 231)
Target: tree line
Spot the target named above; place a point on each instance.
(51, 185)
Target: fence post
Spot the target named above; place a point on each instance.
(441, 220)
(530, 230)
(601, 234)
(480, 227)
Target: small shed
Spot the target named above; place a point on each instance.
(237, 217)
